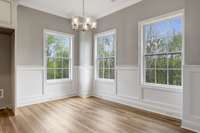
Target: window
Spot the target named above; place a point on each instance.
(105, 55)
(162, 46)
(58, 55)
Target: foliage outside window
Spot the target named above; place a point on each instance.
(105, 55)
(162, 51)
(58, 56)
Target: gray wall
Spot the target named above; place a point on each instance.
(31, 24)
(85, 48)
(5, 71)
(192, 32)
(126, 23)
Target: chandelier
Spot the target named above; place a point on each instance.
(83, 23)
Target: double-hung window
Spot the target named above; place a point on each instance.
(162, 50)
(105, 55)
(58, 55)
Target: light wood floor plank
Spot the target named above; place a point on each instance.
(91, 115)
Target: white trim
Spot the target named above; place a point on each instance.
(167, 88)
(141, 49)
(141, 105)
(108, 32)
(58, 81)
(193, 68)
(39, 99)
(190, 126)
(127, 67)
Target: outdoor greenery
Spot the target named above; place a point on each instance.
(58, 57)
(163, 52)
(105, 57)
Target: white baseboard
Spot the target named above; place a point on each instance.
(191, 126)
(140, 105)
(43, 99)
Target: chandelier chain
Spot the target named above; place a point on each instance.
(83, 9)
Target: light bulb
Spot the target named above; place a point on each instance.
(94, 25)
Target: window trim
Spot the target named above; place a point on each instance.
(52, 81)
(108, 32)
(141, 50)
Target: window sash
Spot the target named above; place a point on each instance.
(166, 53)
(66, 72)
(104, 58)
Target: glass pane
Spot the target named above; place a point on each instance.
(59, 50)
(107, 73)
(161, 76)
(175, 77)
(150, 61)
(51, 42)
(112, 74)
(106, 63)
(58, 63)
(175, 61)
(109, 45)
(66, 73)
(66, 64)
(161, 61)
(100, 73)
(66, 47)
(66, 52)
(156, 46)
(100, 64)
(163, 34)
(58, 73)
(176, 43)
(111, 63)
(50, 74)
(50, 63)
(100, 47)
(150, 76)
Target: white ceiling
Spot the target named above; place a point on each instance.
(69, 8)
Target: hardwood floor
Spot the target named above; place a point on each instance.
(92, 115)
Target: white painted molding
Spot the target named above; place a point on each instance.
(191, 108)
(127, 67)
(194, 68)
(129, 92)
(190, 125)
(139, 105)
(29, 67)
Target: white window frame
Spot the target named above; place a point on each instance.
(108, 32)
(141, 50)
(52, 32)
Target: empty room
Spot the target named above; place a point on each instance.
(99, 66)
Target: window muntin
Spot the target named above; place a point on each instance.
(58, 56)
(105, 55)
(162, 51)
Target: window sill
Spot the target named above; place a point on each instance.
(59, 81)
(167, 88)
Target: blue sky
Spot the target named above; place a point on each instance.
(165, 28)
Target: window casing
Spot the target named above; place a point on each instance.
(162, 45)
(105, 55)
(58, 55)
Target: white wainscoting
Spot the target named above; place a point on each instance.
(85, 80)
(191, 108)
(32, 87)
(127, 90)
